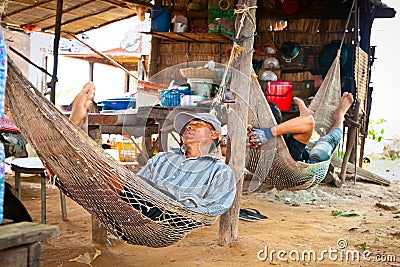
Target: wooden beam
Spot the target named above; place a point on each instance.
(127, 3)
(55, 51)
(320, 13)
(351, 136)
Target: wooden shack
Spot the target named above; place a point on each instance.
(312, 28)
(301, 35)
(315, 28)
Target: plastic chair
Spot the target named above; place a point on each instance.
(33, 165)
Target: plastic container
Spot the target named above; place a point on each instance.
(118, 103)
(202, 87)
(280, 93)
(190, 100)
(180, 23)
(127, 151)
(172, 97)
(290, 7)
(160, 19)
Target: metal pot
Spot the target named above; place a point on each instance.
(180, 27)
(290, 50)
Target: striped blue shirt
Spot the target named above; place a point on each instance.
(204, 184)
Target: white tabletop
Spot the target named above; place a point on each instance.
(29, 163)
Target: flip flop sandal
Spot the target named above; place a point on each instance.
(243, 216)
(253, 213)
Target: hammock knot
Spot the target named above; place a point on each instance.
(241, 39)
(245, 11)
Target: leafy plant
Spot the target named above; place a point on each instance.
(376, 130)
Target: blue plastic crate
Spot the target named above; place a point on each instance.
(118, 103)
(172, 97)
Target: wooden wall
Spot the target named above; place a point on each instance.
(310, 33)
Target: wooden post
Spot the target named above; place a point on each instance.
(238, 117)
(99, 233)
(351, 137)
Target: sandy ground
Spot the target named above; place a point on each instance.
(299, 223)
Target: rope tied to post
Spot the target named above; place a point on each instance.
(244, 10)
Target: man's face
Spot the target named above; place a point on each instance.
(199, 132)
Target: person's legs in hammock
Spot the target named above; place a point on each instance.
(300, 127)
(323, 148)
(296, 131)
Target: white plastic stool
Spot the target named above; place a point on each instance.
(33, 165)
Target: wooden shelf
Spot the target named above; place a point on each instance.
(214, 37)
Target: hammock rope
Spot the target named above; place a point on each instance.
(272, 162)
(83, 170)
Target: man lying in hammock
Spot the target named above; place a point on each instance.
(297, 132)
(192, 174)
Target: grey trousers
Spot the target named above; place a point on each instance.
(324, 147)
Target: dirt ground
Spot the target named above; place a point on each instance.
(300, 224)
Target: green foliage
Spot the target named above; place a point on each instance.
(342, 213)
(376, 130)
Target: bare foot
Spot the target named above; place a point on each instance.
(304, 111)
(82, 103)
(344, 104)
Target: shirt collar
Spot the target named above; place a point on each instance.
(182, 151)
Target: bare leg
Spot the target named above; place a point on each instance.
(324, 147)
(304, 110)
(80, 108)
(82, 103)
(300, 127)
(345, 103)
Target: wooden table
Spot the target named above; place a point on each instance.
(119, 123)
(20, 243)
(147, 121)
(164, 117)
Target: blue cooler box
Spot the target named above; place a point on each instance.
(118, 103)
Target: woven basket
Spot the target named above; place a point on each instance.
(199, 73)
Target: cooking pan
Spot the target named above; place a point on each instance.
(290, 50)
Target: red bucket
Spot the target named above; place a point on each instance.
(280, 93)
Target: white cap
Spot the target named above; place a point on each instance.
(183, 118)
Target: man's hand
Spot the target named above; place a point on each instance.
(256, 136)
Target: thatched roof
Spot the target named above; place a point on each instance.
(78, 16)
